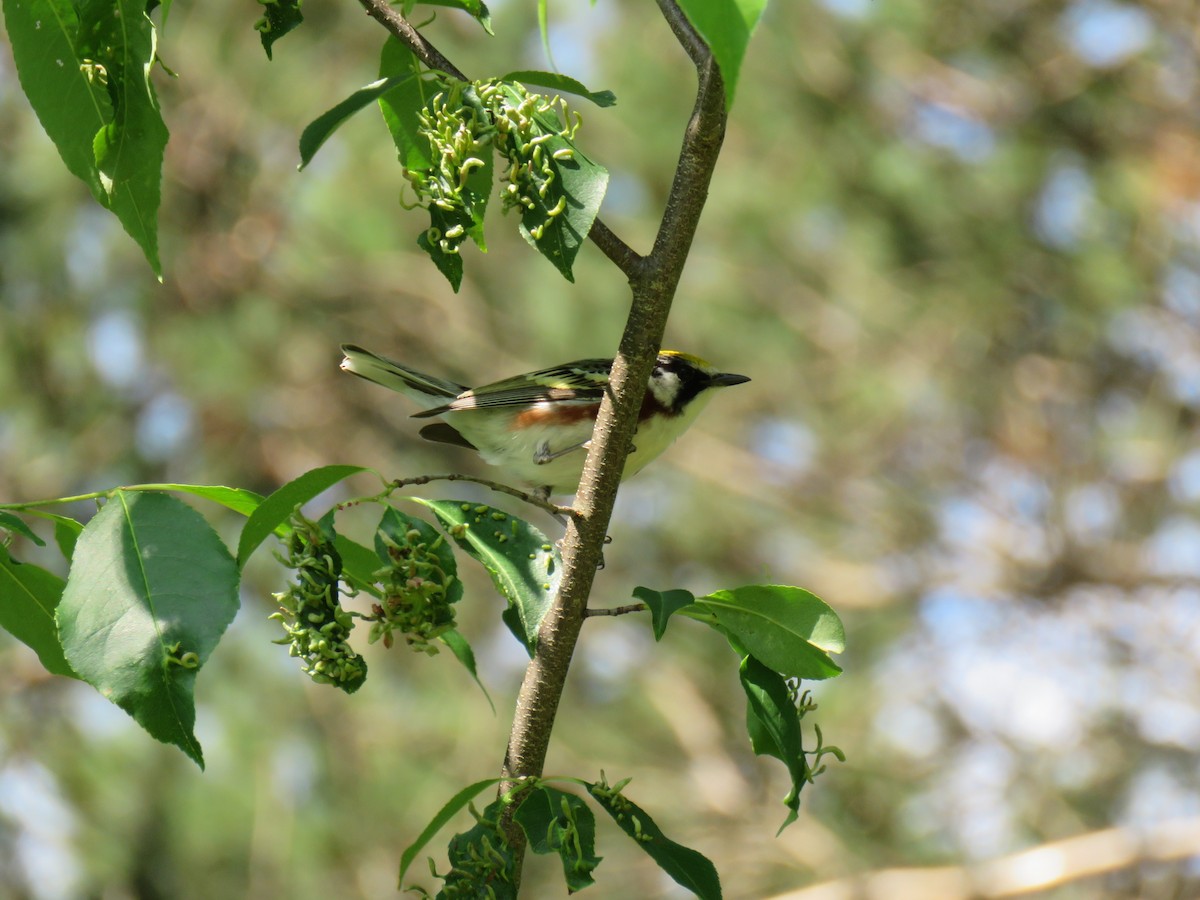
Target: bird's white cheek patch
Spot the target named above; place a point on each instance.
(665, 388)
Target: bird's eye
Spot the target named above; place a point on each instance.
(657, 373)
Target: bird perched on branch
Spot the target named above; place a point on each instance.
(536, 427)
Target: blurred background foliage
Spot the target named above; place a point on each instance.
(955, 245)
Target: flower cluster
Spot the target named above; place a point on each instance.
(462, 122)
(416, 597)
(459, 131)
(532, 133)
(311, 613)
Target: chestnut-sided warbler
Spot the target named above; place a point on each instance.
(536, 426)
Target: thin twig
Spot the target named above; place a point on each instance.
(621, 254)
(391, 19)
(532, 499)
(691, 42)
(614, 610)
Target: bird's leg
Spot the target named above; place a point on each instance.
(543, 454)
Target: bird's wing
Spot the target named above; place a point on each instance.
(582, 381)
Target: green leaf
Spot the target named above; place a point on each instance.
(773, 724)
(480, 858)
(85, 68)
(476, 8)
(475, 195)
(401, 106)
(561, 83)
(239, 500)
(726, 26)
(786, 628)
(277, 508)
(359, 564)
(28, 598)
(128, 149)
(449, 264)
(66, 529)
(464, 654)
(279, 17)
(455, 805)
(465, 220)
(578, 188)
(151, 590)
(319, 129)
(523, 564)
(663, 604)
(544, 29)
(686, 867)
(12, 523)
(44, 35)
(558, 822)
(66, 533)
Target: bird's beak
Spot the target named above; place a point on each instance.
(725, 379)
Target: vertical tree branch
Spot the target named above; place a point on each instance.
(654, 283)
(653, 279)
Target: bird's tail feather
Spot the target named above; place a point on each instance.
(391, 374)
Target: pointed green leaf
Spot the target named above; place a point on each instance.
(66, 533)
(786, 628)
(402, 106)
(28, 598)
(319, 129)
(151, 590)
(544, 30)
(464, 654)
(279, 17)
(239, 500)
(582, 184)
(450, 264)
(523, 564)
(726, 26)
(453, 806)
(71, 107)
(773, 724)
(663, 605)
(85, 68)
(563, 84)
(686, 867)
(277, 508)
(476, 8)
(558, 822)
(359, 564)
(470, 217)
(558, 215)
(66, 530)
(9, 522)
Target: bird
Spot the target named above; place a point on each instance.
(536, 427)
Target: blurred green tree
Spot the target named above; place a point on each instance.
(965, 267)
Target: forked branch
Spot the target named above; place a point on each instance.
(654, 279)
